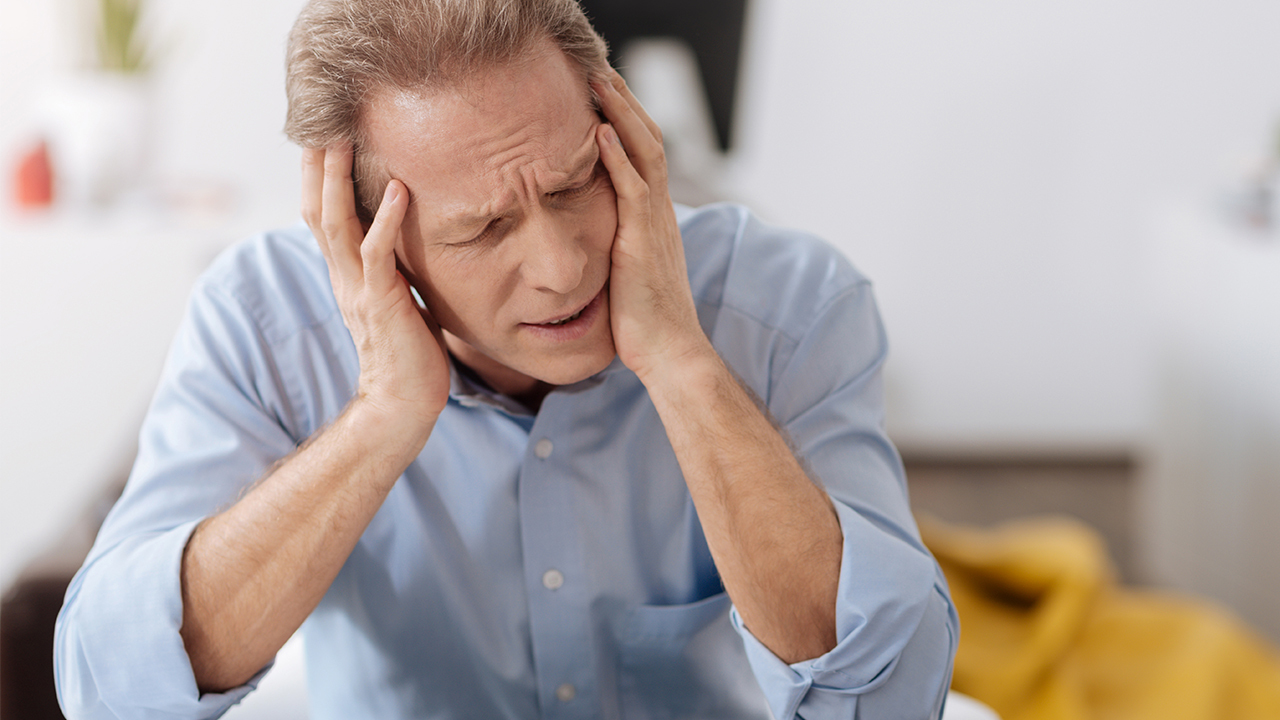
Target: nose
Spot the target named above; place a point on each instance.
(555, 258)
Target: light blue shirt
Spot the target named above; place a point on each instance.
(524, 566)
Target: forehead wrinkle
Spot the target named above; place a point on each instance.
(579, 161)
(505, 165)
(513, 167)
(461, 214)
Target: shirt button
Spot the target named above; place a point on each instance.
(552, 579)
(566, 692)
(543, 449)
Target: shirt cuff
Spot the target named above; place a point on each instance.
(886, 583)
(120, 654)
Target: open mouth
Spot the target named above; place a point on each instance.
(571, 318)
(573, 326)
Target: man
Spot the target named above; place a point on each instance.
(548, 488)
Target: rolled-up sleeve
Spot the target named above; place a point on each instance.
(119, 654)
(897, 635)
(213, 428)
(897, 629)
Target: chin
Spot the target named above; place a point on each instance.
(568, 372)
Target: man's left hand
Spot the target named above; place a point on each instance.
(652, 312)
(757, 506)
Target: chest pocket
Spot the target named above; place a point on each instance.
(686, 661)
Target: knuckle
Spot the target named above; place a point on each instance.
(330, 228)
(334, 170)
(311, 215)
(334, 174)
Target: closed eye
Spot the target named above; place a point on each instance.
(575, 192)
(489, 230)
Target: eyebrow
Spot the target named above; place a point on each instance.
(467, 219)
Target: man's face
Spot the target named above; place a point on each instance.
(511, 221)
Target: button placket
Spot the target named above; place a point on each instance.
(559, 616)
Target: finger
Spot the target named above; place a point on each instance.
(378, 249)
(628, 185)
(641, 145)
(620, 84)
(312, 191)
(338, 220)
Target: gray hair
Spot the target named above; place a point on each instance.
(343, 52)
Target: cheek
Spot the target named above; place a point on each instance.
(460, 311)
(436, 282)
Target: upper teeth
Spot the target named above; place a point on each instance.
(571, 317)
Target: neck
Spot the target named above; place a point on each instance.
(480, 368)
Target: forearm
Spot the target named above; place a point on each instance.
(252, 574)
(773, 534)
(772, 531)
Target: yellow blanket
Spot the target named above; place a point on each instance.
(1046, 634)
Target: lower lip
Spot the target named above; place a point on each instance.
(574, 329)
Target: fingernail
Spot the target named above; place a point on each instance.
(609, 135)
(392, 193)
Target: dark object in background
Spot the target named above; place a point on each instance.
(712, 28)
(29, 609)
(26, 651)
(983, 490)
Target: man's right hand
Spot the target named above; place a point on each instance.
(252, 573)
(404, 370)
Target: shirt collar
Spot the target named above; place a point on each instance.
(469, 393)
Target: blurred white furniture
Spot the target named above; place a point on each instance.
(89, 301)
(1211, 489)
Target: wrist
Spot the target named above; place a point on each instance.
(389, 426)
(692, 370)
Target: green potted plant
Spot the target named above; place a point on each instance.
(120, 45)
(98, 120)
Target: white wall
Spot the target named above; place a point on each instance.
(987, 162)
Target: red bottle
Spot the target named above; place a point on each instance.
(33, 179)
